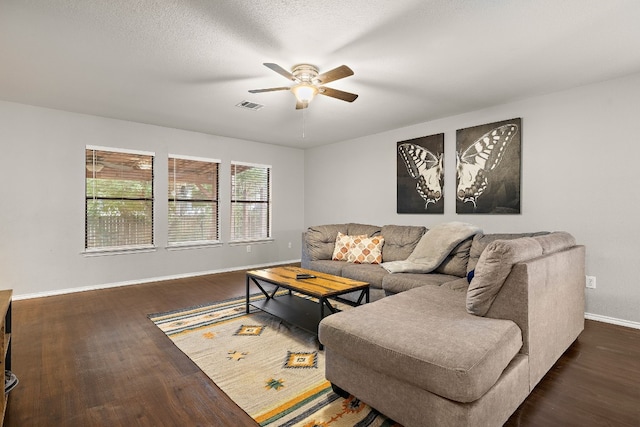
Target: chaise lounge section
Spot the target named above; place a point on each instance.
(441, 349)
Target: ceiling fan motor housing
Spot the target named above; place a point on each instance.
(305, 73)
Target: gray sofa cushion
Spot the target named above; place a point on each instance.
(433, 248)
(426, 338)
(456, 263)
(480, 242)
(370, 273)
(555, 241)
(400, 282)
(357, 229)
(399, 241)
(493, 268)
(327, 266)
(460, 284)
(321, 239)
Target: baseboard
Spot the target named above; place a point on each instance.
(141, 281)
(613, 320)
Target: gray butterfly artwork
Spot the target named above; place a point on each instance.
(421, 175)
(488, 168)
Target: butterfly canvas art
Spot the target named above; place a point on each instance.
(421, 175)
(488, 163)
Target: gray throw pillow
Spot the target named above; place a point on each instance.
(492, 269)
(480, 242)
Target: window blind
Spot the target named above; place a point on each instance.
(119, 199)
(193, 200)
(250, 202)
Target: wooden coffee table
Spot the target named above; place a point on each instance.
(295, 308)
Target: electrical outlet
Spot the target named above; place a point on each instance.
(591, 282)
(289, 245)
(248, 248)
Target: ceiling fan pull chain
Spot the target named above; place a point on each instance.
(304, 124)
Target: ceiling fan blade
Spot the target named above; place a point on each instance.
(271, 89)
(339, 94)
(278, 69)
(335, 74)
(301, 105)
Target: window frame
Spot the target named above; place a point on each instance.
(234, 202)
(215, 202)
(121, 249)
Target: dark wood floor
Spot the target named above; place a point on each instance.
(94, 359)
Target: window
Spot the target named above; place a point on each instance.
(193, 200)
(119, 199)
(250, 202)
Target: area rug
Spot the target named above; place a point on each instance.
(269, 368)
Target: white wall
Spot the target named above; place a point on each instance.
(42, 201)
(580, 173)
(580, 151)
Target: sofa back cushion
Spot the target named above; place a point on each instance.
(556, 241)
(321, 239)
(357, 229)
(456, 263)
(480, 242)
(493, 267)
(400, 241)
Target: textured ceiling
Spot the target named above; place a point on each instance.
(187, 63)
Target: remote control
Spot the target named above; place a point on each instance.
(305, 276)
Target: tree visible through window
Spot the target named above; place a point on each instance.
(119, 199)
(193, 200)
(250, 202)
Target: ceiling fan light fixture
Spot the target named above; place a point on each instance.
(304, 92)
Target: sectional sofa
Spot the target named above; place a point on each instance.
(457, 340)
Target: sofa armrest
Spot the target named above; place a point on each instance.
(545, 298)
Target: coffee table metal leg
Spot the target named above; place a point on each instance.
(363, 294)
(322, 302)
(264, 292)
(247, 300)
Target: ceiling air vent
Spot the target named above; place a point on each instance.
(248, 105)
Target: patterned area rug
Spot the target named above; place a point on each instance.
(272, 370)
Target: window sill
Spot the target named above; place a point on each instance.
(193, 245)
(118, 251)
(250, 242)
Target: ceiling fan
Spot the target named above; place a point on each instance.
(309, 83)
